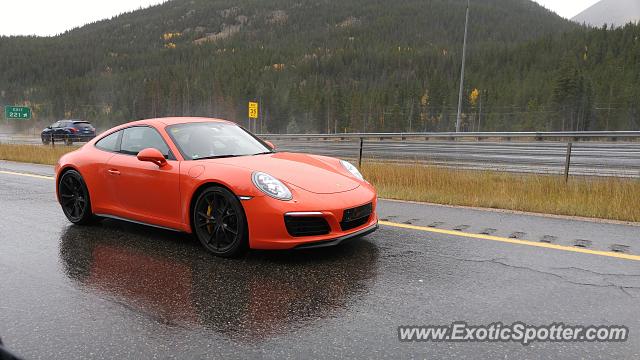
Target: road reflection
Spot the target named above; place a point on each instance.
(170, 278)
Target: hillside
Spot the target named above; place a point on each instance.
(611, 12)
(354, 65)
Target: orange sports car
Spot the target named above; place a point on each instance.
(214, 179)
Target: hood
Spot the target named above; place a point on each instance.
(301, 170)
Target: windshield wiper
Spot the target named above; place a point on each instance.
(264, 153)
(218, 157)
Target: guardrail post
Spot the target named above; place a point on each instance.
(360, 156)
(53, 141)
(567, 163)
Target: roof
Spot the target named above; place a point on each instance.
(161, 123)
(177, 120)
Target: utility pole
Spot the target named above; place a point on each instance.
(480, 115)
(464, 55)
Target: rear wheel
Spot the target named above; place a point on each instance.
(219, 222)
(74, 198)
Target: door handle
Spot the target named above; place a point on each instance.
(113, 172)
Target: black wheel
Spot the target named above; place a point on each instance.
(74, 198)
(219, 222)
(45, 141)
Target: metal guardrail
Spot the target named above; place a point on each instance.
(539, 136)
(576, 153)
(590, 154)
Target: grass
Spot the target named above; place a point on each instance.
(606, 198)
(36, 154)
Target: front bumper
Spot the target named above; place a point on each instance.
(340, 240)
(266, 218)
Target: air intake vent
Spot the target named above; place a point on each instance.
(299, 226)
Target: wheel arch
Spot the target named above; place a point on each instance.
(196, 194)
(63, 170)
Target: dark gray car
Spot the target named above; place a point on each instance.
(68, 131)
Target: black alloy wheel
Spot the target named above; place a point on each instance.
(74, 198)
(219, 222)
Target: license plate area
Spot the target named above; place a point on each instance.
(356, 217)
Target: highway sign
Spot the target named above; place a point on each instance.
(253, 110)
(17, 112)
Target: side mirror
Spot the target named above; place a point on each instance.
(152, 155)
(273, 147)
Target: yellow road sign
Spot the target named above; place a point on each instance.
(253, 110)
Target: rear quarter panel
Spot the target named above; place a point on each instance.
(90, 162)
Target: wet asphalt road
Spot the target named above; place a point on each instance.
(117, 290)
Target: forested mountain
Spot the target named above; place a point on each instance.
(332, 65)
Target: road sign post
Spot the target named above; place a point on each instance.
(360, 155)
(253, 112)
(17, 113)
(567, 162)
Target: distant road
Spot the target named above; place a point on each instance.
(588, 158)
(621, 159)
(6, 138)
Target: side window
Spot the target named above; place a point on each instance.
(110, 142)
(135, 139)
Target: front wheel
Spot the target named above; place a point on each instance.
(74, 198)
(219, 222)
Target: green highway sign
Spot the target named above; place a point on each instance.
(17, 112)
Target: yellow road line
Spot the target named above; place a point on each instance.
(513, 241)
(27, 175)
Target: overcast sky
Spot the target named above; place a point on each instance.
(50, 17)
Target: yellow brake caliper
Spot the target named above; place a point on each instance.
(210, 226)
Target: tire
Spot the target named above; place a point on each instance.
(219, 222)
(45, 141)
(74, 198)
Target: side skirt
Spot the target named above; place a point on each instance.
(107, 216)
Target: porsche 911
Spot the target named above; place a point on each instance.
(215, 180)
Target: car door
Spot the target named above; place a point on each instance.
(96, 175)
(145, 191)
(47, 133)
(59, 130)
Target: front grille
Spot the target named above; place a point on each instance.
(353, 218)
(299, 226)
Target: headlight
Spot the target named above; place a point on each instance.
(352, 169)
(271, 186)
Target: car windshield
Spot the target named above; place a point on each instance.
(208, 140)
